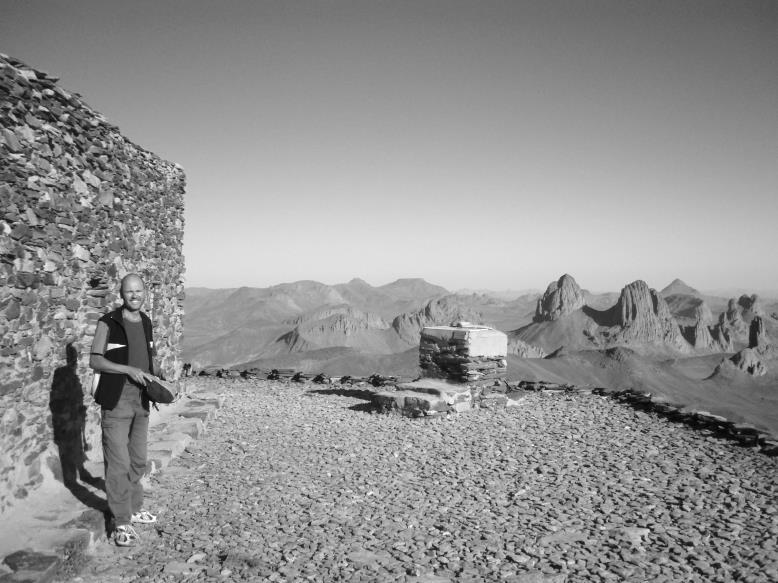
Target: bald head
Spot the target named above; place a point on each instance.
(133, 292)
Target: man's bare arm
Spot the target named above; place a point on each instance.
(100, 363)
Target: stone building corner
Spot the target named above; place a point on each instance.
(80, 207)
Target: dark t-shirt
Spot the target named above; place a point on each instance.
(136, 345)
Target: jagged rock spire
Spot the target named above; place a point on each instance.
(645, 316)
(757, 335)
(561, 298)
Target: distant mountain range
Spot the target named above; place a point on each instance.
(289, 322)
(314, 323)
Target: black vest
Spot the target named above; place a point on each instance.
(110, 385)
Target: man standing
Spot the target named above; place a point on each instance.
(123, 360)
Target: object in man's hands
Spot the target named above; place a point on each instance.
(159, 392)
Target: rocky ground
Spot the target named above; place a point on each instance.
(299, 482)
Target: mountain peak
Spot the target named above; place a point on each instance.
(644, 316)
(358, 281)
(561, 298)
(409, 281)
(413, 288)
(677, 287)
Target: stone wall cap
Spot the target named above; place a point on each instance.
(460, 326)
(433, 386)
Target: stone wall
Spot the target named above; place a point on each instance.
(80, 207)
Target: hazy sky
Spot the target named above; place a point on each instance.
(478, 144)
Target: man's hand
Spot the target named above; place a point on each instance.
(138, 376)
(100, 363)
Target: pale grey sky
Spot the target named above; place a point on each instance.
(479, 144)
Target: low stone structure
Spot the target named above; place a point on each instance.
(463, 353)
(425, 397)
(463, 367)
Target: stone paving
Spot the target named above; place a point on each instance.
(299, 482)
(50, 531)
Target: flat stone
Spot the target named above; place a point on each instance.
(10, 140)
(363, 558)
(480, 340)
(30, 561)
(425, 396)
(192, 427)
(202, 413)
(562, 536)
(180, 568)
(174, 446)
(437, 387)
(167, 438)
(217, 402)
(159, 459)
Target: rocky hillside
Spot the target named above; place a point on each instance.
(438, 311)
(339, 326)
(390, 299)
(312, 322)
(228, 327)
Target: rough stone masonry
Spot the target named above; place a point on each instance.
(463, 353)
(80, 207)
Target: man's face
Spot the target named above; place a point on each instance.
(133, 293)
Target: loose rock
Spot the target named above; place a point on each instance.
(556, 489)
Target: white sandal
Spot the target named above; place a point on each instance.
(143, 517)
(125, 536)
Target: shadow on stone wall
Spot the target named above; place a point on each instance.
(68, 419)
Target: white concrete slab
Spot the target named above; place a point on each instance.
(480, 340)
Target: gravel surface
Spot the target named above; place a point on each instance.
(300, 483)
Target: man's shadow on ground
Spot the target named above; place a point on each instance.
(68, 419)
(366, 395)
